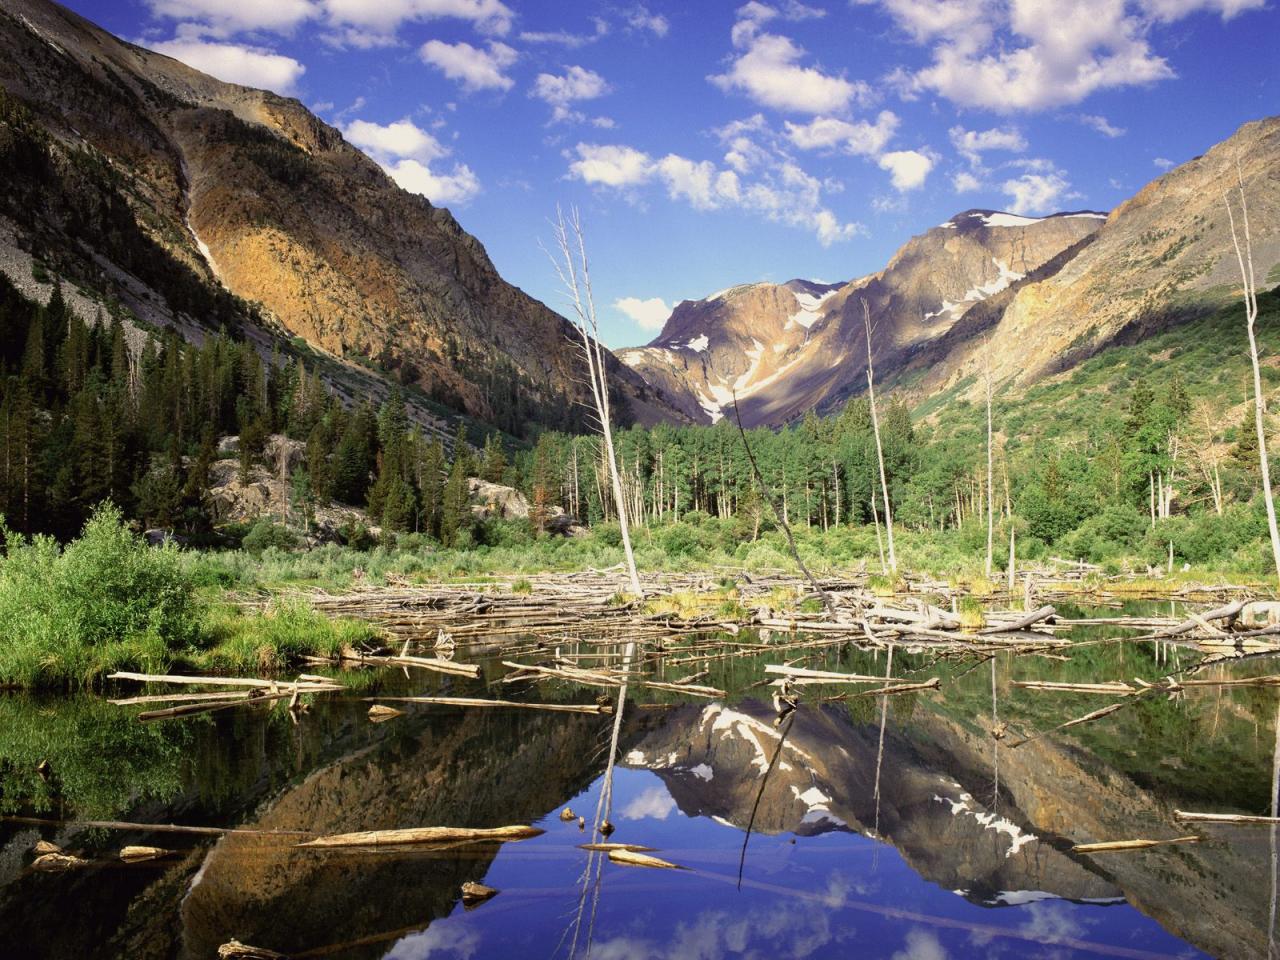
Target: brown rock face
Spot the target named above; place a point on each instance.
(784, 349)
(251, 192)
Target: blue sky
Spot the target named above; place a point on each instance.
(709, 144)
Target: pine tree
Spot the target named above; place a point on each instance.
(455, 507)
(493, 466)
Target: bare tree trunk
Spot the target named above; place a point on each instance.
(991, 496)
(875, 516)
(1245, 259)
(578, 289)
(875, 426)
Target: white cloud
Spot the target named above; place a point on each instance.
(1164, 163)
(235, 63)
(648, 314)
(405, 151)
(442, 189)
(1034, 54)
(225, 17)
(640, 18)
(611, 165)
(921, 944)
(907, 168)
(1101, 124)
(655, 803)
(971, 144)
(965, 182)
(767, 70)
(1037, 193)
(474, 68)
(559, 92)
(386, 16)
(400, 139)
(781, 192)
(861, 137)
(566, 39)
(1171, 10)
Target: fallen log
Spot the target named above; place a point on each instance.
(1095, 715)
(1187, 817)
(415, 835)
(1228, 613)
(800, 675)
(631, 858)
(223, 681)
(508, 704)
(931, 684)
(1035, 616)
(1113, 687)
(469, 670)
(1117, 845)
(189, 709)
(153, 827)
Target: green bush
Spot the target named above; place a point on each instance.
(107, 599)
(266, 533)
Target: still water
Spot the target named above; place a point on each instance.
(900, 831)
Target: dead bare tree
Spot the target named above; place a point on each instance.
(575, 274)
(1207, 451)
(875, 427)
(1244, 257)
(991, 521)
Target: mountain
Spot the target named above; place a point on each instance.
(198, 204)
(1030, 297)
(786, 348)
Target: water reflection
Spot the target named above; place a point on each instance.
(896, 827)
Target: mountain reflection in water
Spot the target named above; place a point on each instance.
(937, 857)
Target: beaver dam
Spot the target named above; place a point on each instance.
(727, 767)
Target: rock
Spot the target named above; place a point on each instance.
(284, 455)
(494, 501)
(229, 447)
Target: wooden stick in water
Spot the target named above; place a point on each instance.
(1117, 845)
(413, 835)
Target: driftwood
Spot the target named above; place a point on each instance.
(312, 685)
(631, 858)
(469, 670)
(1186, 817)
(416, 835)
(1087, 718)
(1115, 688)
(379, 713)
(1118, 845)
(509, 704)
(44, 846)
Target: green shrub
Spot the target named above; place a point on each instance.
(266, 533)
(106, 600)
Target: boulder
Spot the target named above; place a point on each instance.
(494, 501)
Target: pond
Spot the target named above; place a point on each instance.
(896, 827)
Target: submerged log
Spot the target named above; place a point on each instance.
(1187, 817)
(474, 894)
(235, 950)
(631, 858)
(414, 835)
(608, 847)
(1118, 845)
(55, 862)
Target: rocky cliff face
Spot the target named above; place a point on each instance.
(244, 191)
(783, 349)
